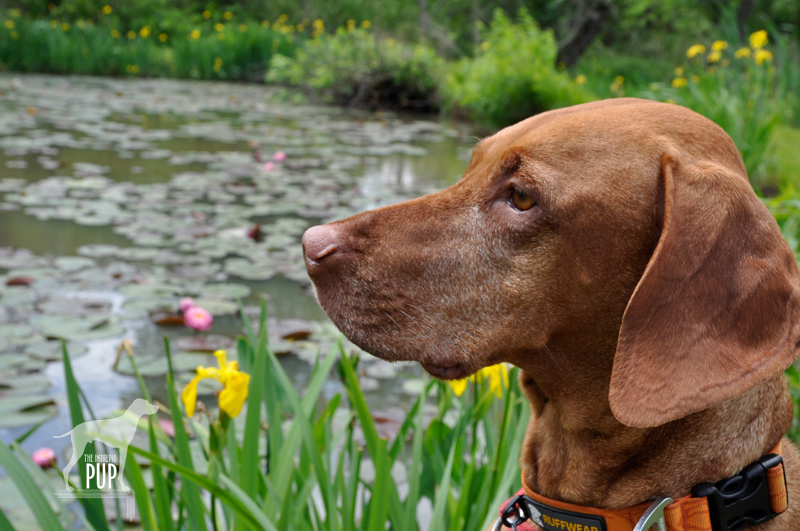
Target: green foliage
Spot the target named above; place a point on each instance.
(737, 88)
(354, 66)
(224, 51)
(513, 76)
(300, 462)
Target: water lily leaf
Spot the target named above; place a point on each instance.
(16, 332)
(203, 343)
(25, 410)
(74, 306)
(73, 263)
(167, 318)
(28, 384)
(20, 362)
(51, 350)
(98, 250)
(229, 290)
(150, 305)
(249, 270)
(74, 328)
(157, 366)
(217, 306)
(149, 290)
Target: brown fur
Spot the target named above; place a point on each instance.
(648, 298)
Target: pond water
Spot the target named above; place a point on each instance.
(119, 197)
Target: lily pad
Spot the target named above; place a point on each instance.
(229, 291)
(51, 350)
(217, 306)
(203, 343)
(157, 366)
(24, 410)
(74, 328)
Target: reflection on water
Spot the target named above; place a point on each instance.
(159, 182)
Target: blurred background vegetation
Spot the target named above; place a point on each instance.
(736, 61)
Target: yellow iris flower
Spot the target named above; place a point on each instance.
(759, 39)
(496, 374)
(695, 50)
(234, 393)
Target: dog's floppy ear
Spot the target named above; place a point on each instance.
(718, 307)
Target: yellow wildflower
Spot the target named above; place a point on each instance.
(81, 24)
(206, 14)
(227, 15)
(219, 26)
(195, 34)
(235, 385)
(485, 45)
(14, 34)
(762, 55)
(580, 79)
(742, 52)
(496, 374)
(16, 13)
(695, 50)
(351, 25)
(366, 24)
(242, 27)
(217, 64)
(759, 39)
(719, 45)
(619, 80)
(115, 34)
(282, 19)
(65, 26)
(265, 24)
(132, 69)
(679, 71)
(9, 24)
(679, 82)
(53, 23)
(107, 9)
(163, 37)
(131, 34)
(144, 32)
(695, 79)
(714, 56)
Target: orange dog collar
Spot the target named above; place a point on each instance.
(753, 496)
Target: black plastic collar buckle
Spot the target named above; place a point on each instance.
(740, 501)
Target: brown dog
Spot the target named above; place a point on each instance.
(616, 253)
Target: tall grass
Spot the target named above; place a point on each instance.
(225, 51)
(299, 462)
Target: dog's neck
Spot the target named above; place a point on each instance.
(576, 450)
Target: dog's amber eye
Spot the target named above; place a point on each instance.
(521, 200)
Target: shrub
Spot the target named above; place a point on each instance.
(512, 76)
(355, 67)
(737, 88)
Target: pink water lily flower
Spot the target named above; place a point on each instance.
(198, 318)
(44, 457)
(186, 303)
(279, 156)
(269, 166)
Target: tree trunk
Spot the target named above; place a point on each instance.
(590, 16)
(742, 14)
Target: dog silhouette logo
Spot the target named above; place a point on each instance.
(116, 432)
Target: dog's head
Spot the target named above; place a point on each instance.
(624, 219)
(143, 407)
